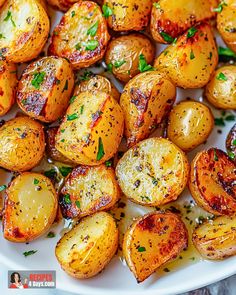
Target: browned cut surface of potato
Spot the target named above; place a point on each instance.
(30, 207)
(221, 90)
(216, 239)
(231, 143)
(22, 144)
(8, 82)
(212, 182)
(153, 172)
(153, 240)
(191, 60)
(125, 54)
(85, 250)
(171, 18)
(145, 101)
(88, 190)
(81, 36)
(24, 26)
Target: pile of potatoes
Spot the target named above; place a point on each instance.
(81, 122)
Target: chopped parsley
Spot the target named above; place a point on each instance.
(91, 45)
(92, 31)
(192, 56)
(215, 156)
(100, 152)
(65, 170)
(230, 118)
(234, 142)
(77, 46)
(72, 13)
(9, 17)
(1, 36)
(166, 37)
(219, 122)
(67, 199)
(28, 253)
(36, 181)
(50, 173)
(2, 187)
(191, 32)
(119, 63)
(157, 5)
(38, 79)
(51, 234)
(77, 203)
(108, 163)
(141, 249)
(107, 11)
(231, 155)
(145, 198)
(143, 66)
(81, 109)
(226, 54)
(109, 67)
(220, 7)
(86, 76)
(221, 77)
(72, 99)
(72, 117)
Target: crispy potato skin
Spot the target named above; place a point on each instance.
(91, 189)
(175, 17)
(146, 99)
(85, 250)
(230, 143)
(191, 61)
(127, 49)
(97, 83)
(212, 182)
(64, 5)
(226, 23)
(153, 240)
(2, 2)
(71, 38)
(129, 15)
(190, 123)
(22, 144)
(153, 172)
(94, 136)
(48, 100)
(216, 240)
(25, 32)
(8, 82)
(222, 92)
(29, 208)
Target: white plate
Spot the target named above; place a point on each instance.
(116, 278)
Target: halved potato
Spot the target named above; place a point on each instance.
(64, 5)
(22, 144)
(153, 240)
(153, 172)
(216, 239)
(231, 143)
(92, 129)
(81, 36)
(146, 99)
(212, 182)
(85, 250)
(191, 60)
(171, 18)
(30, 207)
(24, 27)
(88, 190)
(8, 82)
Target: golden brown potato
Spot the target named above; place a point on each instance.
(88, 190)
(221, 90)
(191, 60)
(153, 172)
(2, 2)
(45, 88)
(171, 18)
(190, 124)
(22, 144)
(8, 82)
(212, 182)
(129, 15)
(216, 239)
(128, 55)
(97, 83)
(226, 22)
(92, 129)
(146, 99)
(81, 36)
(30, 207)
(231, 143)
(153, 240)
(85, 250)
(64, 5)
(24, 27)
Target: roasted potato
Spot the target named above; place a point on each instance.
(85, 250)
(153, 240)
(171, 18)
(221, 90)
(2, 2)
(45, 88)
(129, 15)
(190, 124)
(92, 129)
(231, 143)
(24, 27)
(97, 83)
(22, 144)
(81, 36)
(216, 239)
(226, 23)
(88, 190)
(191, 60)
(64, 5)
(146, 99)
(30, 207)
(8, 82)
(153, 172)
(127, 55)
(212, 182)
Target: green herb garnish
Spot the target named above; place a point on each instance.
(143, 66)
(107, 11)
(72, 99)
(141, 249)
(77, 203)
(220, 7)
(67, 199)
(191, 32)
(119, 63)
(192, 56)
(166, 37)
(92, 31)
(72, 13)
(81, 109)
(38, 79)
(28, 253)
(9, 16)
(72, 117)
(91, 45)
(221, 77)
(2, 187)
(65, 170)
(51, 234)
(36, 181)
(100, 152)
